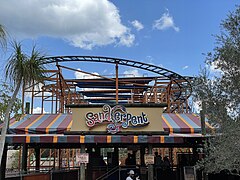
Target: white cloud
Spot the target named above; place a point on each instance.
(127, 40)
(138, 25)
(165, 22)
(82, 23)
(132, 73)
(80, 75)
(185, 67)
(38, 110)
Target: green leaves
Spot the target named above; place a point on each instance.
(221, 94)
(23, 68)
(6, 92)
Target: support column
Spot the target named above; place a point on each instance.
(82, 165)
(150, 166)
(116, 157)
(59, 158)
(24, 157)
(37, 155)
(3, 163)
(142, 153)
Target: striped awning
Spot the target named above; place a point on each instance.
(58, 123)
(104, 139)
(183, 123)
(42, 124)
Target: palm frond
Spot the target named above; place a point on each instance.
(25, 69)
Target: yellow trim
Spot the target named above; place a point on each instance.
(205, 121)
(27, 139)
(55, 139)
(109, 139)
(13, 123)
(135, 139)
(170, 127)
(16, 120)
(56, 118)
(82, 139)
(69, 126)
(191, 128)
(26, 129)
(161, 139)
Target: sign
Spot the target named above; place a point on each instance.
(149, 159)
(189, 173)
(116, 117)
(82, 158)
(113, 119)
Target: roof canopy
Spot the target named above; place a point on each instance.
(59, 123)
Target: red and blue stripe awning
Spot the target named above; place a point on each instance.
(98, 139)
(42, 124)
(49, 128)
(58, 123)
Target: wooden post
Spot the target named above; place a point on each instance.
(116, 83)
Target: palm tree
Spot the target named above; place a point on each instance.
(3, 41)
(21, 70)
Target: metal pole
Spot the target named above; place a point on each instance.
(82, 165)
(150, 166)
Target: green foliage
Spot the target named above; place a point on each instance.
(22, 68)
(6, 91)
(219, 89)
(15, 160)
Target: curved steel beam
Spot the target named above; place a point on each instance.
(148, 67)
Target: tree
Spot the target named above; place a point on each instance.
(220, 92)
(5, 95)
(21, 69)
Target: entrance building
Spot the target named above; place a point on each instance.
(96, 125)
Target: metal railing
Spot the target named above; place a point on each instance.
(116, 169)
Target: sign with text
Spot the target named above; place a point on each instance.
(117, 118)
(82, 158)
(149, 159)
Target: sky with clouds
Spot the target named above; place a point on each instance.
(167, 33)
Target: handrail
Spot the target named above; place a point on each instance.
(109, 173)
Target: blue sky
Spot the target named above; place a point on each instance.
(172, 34)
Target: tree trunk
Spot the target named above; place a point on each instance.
(6, 121)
